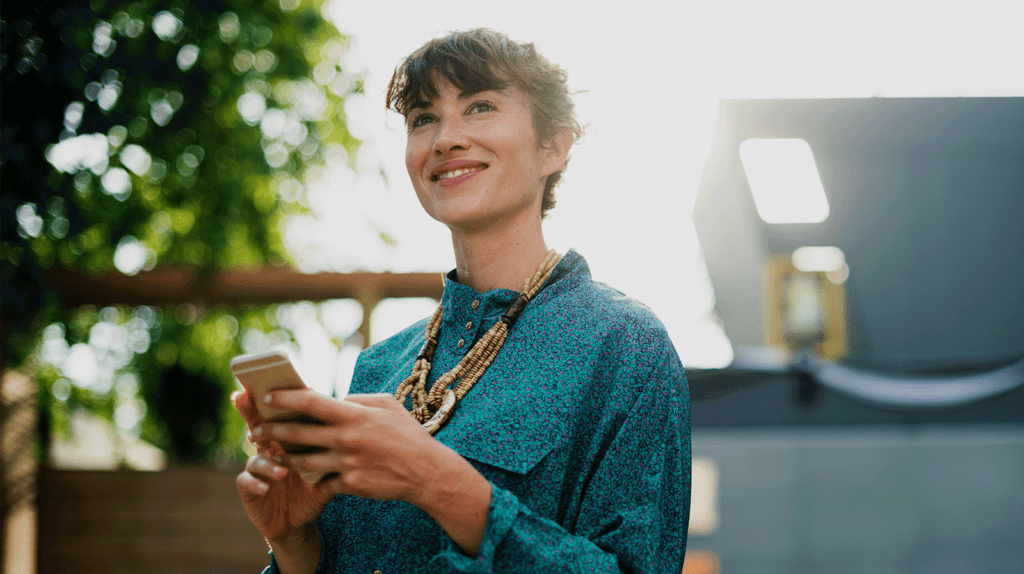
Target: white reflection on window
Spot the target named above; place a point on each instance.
(784, 180)
(811, 259)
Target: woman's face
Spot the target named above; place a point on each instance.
(474, 159)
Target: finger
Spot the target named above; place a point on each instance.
(379, 401)
(376, 400)
(310, 402)
(297, 433)
(262, 445)
(249, 484)
(243, 402)
(270, 449)
(316, 463)
(265, 468)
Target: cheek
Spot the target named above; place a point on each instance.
(531, 158)
(414, 160)
(417, 151)
(410, 160)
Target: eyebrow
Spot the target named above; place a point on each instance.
(419, 104)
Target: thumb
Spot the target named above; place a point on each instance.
(246, 407)
(377, 400)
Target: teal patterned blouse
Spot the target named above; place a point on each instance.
(581, 424)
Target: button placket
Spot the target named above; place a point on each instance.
(468, 333)
(459, 321)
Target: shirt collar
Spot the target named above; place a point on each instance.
(571, 270)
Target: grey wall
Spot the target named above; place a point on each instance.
(878, 500)
(927, 202)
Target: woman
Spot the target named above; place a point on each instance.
(560, 415)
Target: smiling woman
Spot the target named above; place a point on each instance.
(474, 158)
(538, 421)
(522, 77)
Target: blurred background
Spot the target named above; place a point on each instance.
(820, 200)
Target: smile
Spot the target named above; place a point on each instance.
(458, 172)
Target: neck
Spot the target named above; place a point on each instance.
(499, 258)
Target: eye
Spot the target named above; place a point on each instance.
(420, 119)
(481, 106)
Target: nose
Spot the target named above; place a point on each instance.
(450, 136)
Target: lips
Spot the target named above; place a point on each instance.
(456, 171)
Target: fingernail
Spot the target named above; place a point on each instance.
(262, 487)
(258, 431)
(266, 398)
(278, 471)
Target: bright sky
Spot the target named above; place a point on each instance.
(653, 73)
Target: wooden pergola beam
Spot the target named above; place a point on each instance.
(174, 285)
(179, 284)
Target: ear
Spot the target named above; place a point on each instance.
(555, 151)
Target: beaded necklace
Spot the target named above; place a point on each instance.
(433, 408)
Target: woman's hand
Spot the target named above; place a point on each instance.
(373, 448)
(369, 445)
(282, 506)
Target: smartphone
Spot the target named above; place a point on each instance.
(273, 370)
(260, 373)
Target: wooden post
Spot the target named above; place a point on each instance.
(18, 467)
(368, 297)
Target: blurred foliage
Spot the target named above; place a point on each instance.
(143, 133)
(159, 374)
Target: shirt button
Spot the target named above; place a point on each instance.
(476, 304)
(462, 343)
(469, 325)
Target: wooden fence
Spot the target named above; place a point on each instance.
(181, 520)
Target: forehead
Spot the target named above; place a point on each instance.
(426, 83)
(443, 89)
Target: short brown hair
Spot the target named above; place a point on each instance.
(483, 59)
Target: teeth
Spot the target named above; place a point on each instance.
(457, 173)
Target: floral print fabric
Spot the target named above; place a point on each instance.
(581, 425)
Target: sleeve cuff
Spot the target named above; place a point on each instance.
(321, 567)
(501, 516)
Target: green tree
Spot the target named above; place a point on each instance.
(144, 133)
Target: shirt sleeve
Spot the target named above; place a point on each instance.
(635, 509)
(324, 567)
